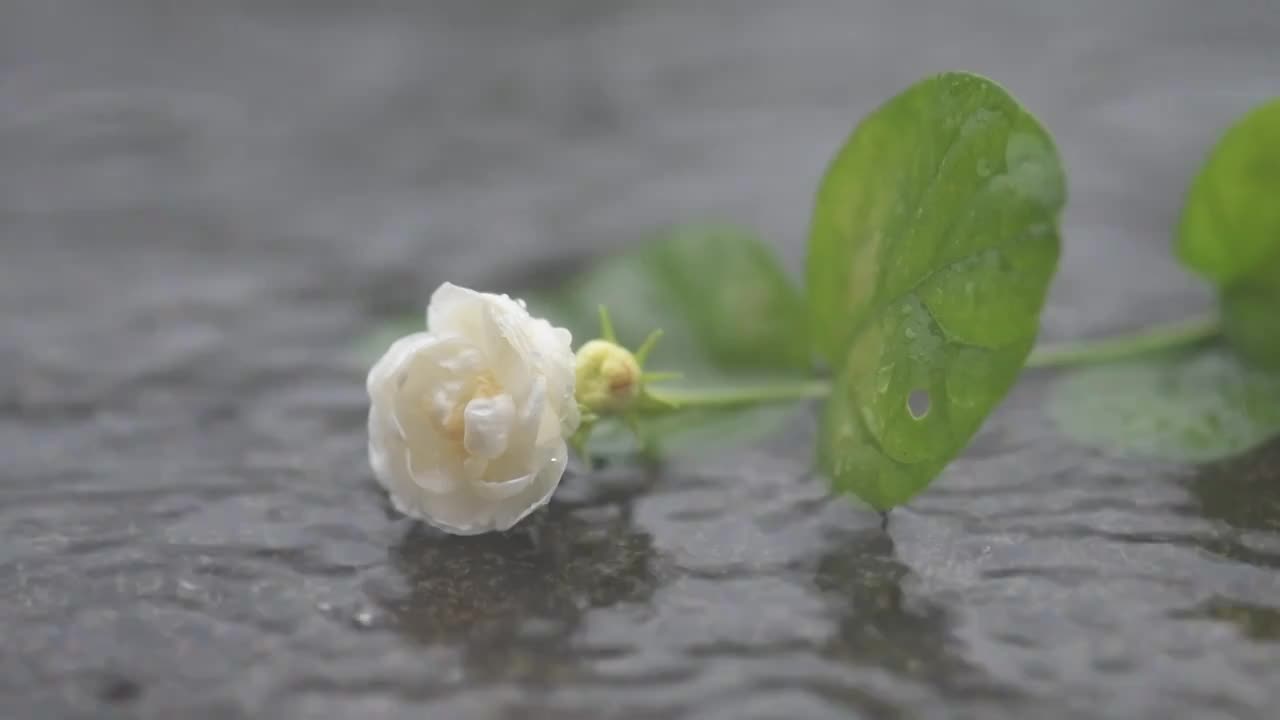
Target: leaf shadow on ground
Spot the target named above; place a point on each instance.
(1243, 492)
(883, 625)
(1244, 495)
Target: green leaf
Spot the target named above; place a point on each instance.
(1230, 231)
(1251, 317)
(1190, 406)
(727, 311)
(725, 305)
(933, 243)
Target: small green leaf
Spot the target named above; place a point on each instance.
(723, 302)
(1190, 406)
(1251, 317)
(1230, 231)
(727, 310)
(933, 243)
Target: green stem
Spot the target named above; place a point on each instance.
(1185, 333)
(723, 397)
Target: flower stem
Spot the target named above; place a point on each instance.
(1185, 333)
(724, 397)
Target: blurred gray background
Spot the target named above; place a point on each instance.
(204, 204)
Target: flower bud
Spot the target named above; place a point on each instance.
(606, 377)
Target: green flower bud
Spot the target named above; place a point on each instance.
(606, 377)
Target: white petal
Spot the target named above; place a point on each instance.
(383, 443)
(393, 360)
(468, 361)
(454, 309)
(506, 341)
(471, 512)
(487, 425)
(474, 467)
(502, 490)
(397, 469)
(555, 362)
(538, 492)
(431, 473)
(520, 457)
(535, 404)
(422, 395)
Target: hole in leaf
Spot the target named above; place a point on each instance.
(918, 404)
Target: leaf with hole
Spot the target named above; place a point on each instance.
(933, 243)
(1189, 406)
(1230, 231)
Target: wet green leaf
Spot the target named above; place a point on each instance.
(1251, 317)
(727, 311)
(1230, 231)
(1195, 406)
(933, 243)
(725, 305)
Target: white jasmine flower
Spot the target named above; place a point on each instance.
(468, 420)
